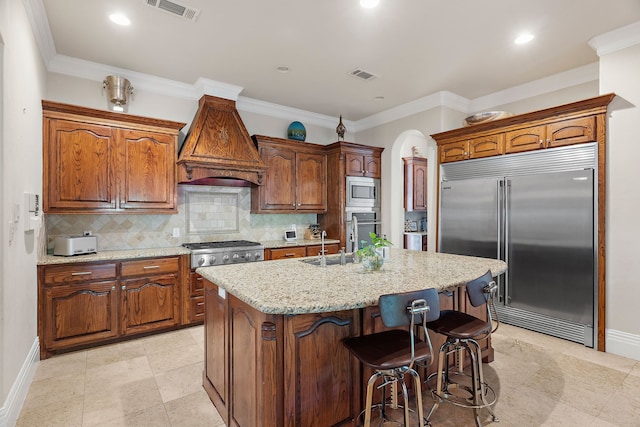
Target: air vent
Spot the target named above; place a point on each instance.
(362, 74)
(182, 10)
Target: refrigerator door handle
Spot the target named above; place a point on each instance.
(507, 195)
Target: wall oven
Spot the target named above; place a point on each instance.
(363, 192)
(359, 223)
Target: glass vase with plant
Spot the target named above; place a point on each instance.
(369, 255)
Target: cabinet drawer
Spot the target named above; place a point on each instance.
(197, 307)
(65, 274)
(329, 249)
(196, 284)
(150, 266)
(294, 252)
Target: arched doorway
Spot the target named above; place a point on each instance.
(393, 210)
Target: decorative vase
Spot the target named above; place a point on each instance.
(341, 129)
(372, 262)
(297, 131)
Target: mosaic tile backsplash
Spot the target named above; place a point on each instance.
(205, 213)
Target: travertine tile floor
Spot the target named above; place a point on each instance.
(157, 381)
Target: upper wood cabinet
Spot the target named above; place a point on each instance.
(415, 184)
(295, 180)
(96, 161)
(575, 123)
(364, 163)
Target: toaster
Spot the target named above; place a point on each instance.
(75, 245)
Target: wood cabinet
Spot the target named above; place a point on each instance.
(575, 123)
(78, 304)
(473, 148)
(97, 161)
(275, 370)
(150, 295)
(271, 254)
(295, 180)
(415, 184)
(342, 158)
(363, 163)
(85, 304)
(193, 299)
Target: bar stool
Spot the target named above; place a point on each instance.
(393, 353)
(463, 331)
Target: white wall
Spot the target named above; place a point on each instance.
(23, 88)
(619, 74)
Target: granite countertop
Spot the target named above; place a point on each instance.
(274, 244)
(114, 255)
(295, 287)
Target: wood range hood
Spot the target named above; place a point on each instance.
(218, 149)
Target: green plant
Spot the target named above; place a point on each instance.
(376, 242)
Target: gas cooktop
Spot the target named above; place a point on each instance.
(224, 252)
(223, 244)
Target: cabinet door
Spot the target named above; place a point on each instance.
(486, 146)
(311, 182)
(372, 166)
(354, 164)
(415, 185)
(278, 192)
(329, 249)
(79, 166)
(454, 151)
(80, 313)
(148, 170)
(525, 139)
(194, 299)
(574, 131)
(216, 368)
(149, 303)
(317, 361)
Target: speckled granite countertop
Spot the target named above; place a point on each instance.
(274, 244)
(114, 255)
(295, 287)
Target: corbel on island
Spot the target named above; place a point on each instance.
(273, 331)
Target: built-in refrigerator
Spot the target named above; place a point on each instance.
(537, 212)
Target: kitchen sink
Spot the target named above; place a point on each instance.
(331, 260)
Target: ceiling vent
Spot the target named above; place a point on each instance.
(182, 10)
(362, 74)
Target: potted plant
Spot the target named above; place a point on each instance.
(369, 254)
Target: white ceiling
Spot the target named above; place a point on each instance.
(416, 47)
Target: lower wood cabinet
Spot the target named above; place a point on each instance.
(84, 304)
(193, 299)
(275, 370)
(300, 251)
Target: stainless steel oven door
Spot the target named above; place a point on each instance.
(359, 224)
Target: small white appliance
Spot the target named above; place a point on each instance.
(75, 245)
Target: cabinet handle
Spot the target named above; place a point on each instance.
(540, 142)
(293, 204)
(362, 171)
(150, 267)
(289, 255)
(113, 288)
(299, 204)
(81, 273)
(124, 288)
(548, 140)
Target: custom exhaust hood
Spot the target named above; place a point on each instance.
(218, 149)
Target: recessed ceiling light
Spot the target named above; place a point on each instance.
(523, 38)
(369, 3)
(282, 68)
(119, 19)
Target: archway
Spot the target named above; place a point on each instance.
(393, 207)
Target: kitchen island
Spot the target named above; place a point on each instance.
(273, 331)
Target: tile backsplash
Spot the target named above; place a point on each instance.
(205, 213)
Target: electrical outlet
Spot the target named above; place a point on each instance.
(176, 232)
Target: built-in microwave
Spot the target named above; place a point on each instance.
(363, 192)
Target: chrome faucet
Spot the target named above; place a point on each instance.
(323, 259)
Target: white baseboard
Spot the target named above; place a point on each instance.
(11, 408)
(623, 344)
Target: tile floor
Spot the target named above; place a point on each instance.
(156, 381)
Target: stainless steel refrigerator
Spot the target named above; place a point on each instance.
(537, 212)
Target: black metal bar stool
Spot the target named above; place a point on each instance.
(463, 331)
(393, 353)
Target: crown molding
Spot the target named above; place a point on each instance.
(40, 26)
(615, 40)
(283, 112)
(574, 77)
